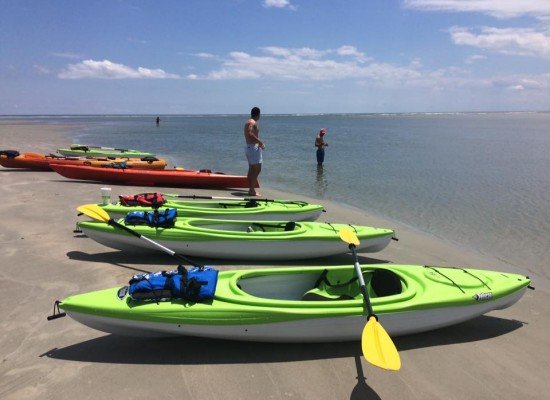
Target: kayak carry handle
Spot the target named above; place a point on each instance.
(56, 312)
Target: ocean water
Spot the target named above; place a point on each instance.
(481, 180)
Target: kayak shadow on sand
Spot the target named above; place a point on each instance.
(481, 328)
(117, 257)
(139, 189)
(199, 351)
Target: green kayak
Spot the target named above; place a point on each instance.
(273, 210)
(240, 240)
(79, 150)
(307, 304)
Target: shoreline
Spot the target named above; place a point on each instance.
(43, 260)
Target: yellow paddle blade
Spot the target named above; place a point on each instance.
(378, 348)
(95, 212)
(348, 236)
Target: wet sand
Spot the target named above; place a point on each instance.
(503, 355)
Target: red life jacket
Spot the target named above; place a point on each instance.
(154, 200)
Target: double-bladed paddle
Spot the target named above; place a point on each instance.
(95, 212)
(256, 199)
(377, 346)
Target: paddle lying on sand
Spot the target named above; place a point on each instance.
(378, 348)
(95, 212)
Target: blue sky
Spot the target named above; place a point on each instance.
(286, 56)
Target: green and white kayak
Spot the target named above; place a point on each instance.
(240, 240)
(279, 304)
(273, 210)
(80, 150)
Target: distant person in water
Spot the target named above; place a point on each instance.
(253, 150)
(158, 120)
(321, 144)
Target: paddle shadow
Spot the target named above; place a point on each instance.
(120, 257)
(362, 391)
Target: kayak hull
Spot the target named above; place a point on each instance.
(93, 151)
(276, 210)
(238, 313)
(41, 162)
(165, 178)
(229, 239)
(32, 161)
(239, 249)
(340, 329)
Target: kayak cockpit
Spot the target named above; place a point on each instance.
(247, 227)
(216, 205)
(328, 285)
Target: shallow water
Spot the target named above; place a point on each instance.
(478, 179)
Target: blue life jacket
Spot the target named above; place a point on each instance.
(159, 219)
(9, 153)
(196, 284)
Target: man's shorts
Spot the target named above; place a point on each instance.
(253, 154)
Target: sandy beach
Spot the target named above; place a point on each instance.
(503, 355)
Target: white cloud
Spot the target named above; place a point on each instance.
(514, 41)
(41, 70)
(279, 4)
(286, 65)
(90, 69)
(347, 50)
(72, 56)
(304, 52)
(205, 55)
(306, 64)
(474, 58)
(496, 8)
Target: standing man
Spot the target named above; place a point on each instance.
(321, 144)
(253, 150)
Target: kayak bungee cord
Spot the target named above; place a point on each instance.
(445, 276)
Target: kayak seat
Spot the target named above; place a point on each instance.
(344, 285)
(334, 285)
(256, 227)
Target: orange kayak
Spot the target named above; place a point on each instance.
(36, 161)
(149, 177)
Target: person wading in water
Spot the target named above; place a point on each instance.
(321, 144)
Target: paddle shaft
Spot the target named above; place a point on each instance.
(216, 197)
(160, 246)
(362, 282)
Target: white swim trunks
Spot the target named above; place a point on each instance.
(253, 154)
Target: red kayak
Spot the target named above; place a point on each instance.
(142, 177)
